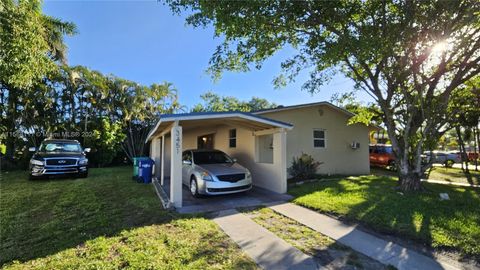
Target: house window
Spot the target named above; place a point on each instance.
(233, 138)
(319, 138)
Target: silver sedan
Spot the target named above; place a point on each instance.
(213, 172)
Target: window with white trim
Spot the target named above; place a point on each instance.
(232, 138)
(319, 138)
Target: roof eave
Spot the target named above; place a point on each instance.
(256, 118)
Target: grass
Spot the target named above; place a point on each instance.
(106, 221)
(439, 173)
(451, 225)
(454, 175)
(325, 250)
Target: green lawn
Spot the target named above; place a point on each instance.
(105, 221)
(454, 175)
(373, 201)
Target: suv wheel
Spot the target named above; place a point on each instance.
(392, 165)
(32, 178)
(194, 187)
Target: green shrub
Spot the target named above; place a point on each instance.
(105, 142)
(303, 167)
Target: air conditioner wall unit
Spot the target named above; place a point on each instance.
(355, 145)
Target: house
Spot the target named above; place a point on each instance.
(264, 141)
(321, 130)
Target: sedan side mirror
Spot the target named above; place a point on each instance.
(32, 149)
(87, 150)
(187, 162)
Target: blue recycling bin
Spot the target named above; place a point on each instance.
(136, 161)
(145, 167)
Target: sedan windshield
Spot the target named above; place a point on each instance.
(213, 157)
(60, 147)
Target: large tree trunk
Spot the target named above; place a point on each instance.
(410, 182)
(410, 171)
(409, 175)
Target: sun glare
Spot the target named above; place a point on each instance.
(439, 47)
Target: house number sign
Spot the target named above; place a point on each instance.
(177, 141)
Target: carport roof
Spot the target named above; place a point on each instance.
(257, 122)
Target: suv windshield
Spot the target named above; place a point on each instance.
(213, 157)
(60, 147)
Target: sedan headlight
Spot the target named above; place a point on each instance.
(206, 176)
(36, 162)
(83, 161)
(248, 174)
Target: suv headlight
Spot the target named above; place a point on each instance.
(83, 161)
(206, 176)
(36, 162)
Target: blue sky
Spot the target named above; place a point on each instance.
(144, 42)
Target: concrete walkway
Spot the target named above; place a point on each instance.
(265, 248)
(442, 182)
(386, 252)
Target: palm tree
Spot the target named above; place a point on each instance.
(31, 46)
(55, 30)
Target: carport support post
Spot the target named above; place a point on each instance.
(155, 155)
(162, 161)
(176, 166)
(280, 158)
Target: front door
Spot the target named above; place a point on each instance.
(205, 142)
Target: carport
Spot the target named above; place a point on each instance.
(258, 143)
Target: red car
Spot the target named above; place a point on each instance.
(472, 156)
(382, 155)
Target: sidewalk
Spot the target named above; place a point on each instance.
(386, 252)
(265, 248)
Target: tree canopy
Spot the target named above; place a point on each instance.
(215, 103)
(43, 97)
(30, 42)
(408, 55)
(104, 112)
(367, 114)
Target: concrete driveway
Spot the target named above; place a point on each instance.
(257, 196)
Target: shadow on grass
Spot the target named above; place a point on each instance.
(451, 225)
(39, 218)
(183, 243)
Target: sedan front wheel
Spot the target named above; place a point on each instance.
(194, 187)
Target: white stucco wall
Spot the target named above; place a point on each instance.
(337, 157)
